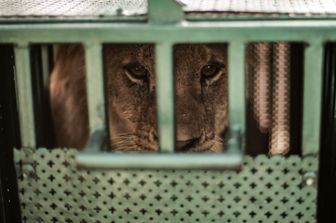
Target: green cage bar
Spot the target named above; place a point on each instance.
(312, 102)
(95, 92)
(237, 86)
(159, 161)
(25, 95)
(235, 33)
(165, 96)
(45, 66)
(185, 32)
(165, 102)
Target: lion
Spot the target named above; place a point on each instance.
(200, 74)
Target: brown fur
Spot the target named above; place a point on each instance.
(201, 105)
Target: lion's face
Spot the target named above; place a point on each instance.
(200, 98)
(130, 79)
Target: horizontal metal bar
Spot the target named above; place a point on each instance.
(25, 95)
(190, 16)
(312, 103)
(158, 161)
(165, 96)
(237, 86)
(182, 32)
(95, 89)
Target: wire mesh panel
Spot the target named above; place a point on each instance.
(21, 8)
(280, 138)
(268, 74)
(95, 8)
(306, 7)
(259, 73)
(273, 189)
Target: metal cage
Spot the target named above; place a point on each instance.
(168, 187)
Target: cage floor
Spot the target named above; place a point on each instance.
(273, 189)
(108, 8)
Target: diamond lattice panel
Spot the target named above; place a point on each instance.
(266, 190)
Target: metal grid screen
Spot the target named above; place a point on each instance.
(268, 74)
(18, 8)
(94, 8)
(273, 189)
(293, 7)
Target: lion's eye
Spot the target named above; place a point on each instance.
(136, 70)
(209, 70)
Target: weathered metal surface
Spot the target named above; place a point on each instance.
(25, 95)
(265, 190)
(77, 8)
(306, 7)
(237, 86)
(108, 8)
(95, 88)
(240, 32)
(165, 95)
(186, 32)
(159, 161)
(312, 101)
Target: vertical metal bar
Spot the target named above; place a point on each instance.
(25, 95)
(237, 87)
(95, 88)
(312, 101)
(165, 96)
(45, 66)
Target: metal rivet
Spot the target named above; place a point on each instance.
(27, 170)
(309, 178)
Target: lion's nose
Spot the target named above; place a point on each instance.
(185, 145)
